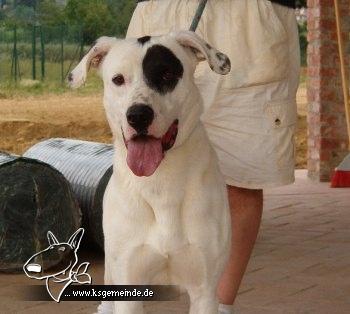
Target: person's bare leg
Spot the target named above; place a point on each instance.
(246, 210)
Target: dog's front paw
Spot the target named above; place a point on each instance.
(105, 308)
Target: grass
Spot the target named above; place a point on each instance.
(303, 76)
(38, 88)
(52, 51)
(52, 85)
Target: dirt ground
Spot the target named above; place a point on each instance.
(26, 121)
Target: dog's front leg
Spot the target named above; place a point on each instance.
(128, 307)
(203, 300)
(137, 266)
(116, 274)
(121, 271)
(107, 307)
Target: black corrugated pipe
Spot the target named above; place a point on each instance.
(88, 167)
(34, 198)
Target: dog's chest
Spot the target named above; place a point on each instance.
(168, 232)
(153, 215)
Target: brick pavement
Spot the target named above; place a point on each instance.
(301, 263)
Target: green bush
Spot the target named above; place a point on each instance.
(99, 17)
(303, 43)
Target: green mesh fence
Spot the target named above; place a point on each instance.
(39, 52)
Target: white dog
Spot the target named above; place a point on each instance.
(165, 215)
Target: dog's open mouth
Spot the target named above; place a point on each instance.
(146, 152)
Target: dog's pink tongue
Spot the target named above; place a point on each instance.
(144, 156)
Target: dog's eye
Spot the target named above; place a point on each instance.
(167, 76)
(119, 80)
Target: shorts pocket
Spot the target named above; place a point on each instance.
(280, 120)
(280, 114)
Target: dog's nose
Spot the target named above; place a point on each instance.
(35, 268)
(140, 116)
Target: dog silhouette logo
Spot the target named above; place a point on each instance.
(67, 272)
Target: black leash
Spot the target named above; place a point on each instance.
(198, 15)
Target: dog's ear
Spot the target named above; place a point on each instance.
(93, 58)
(218, 62)
(52, 239)
(75, 239)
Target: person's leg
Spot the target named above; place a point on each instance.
(246, 210)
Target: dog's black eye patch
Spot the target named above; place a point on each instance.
(161, 69)
(144, 39)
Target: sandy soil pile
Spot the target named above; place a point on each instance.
(26, 121)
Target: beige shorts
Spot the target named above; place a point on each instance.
(250, 114)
